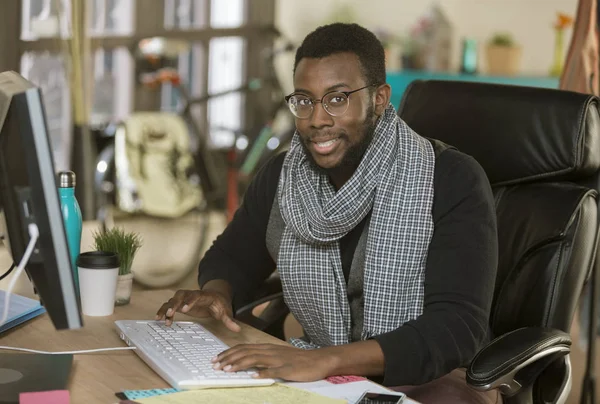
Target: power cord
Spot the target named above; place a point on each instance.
(8, 271)
(84, 351)
(34, 234)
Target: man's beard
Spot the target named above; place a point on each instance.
(354, 154)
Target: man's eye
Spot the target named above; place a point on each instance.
(337, 99)
(303, 102)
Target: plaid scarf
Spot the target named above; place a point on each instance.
(395, 181)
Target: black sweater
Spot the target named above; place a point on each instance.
(459, 278)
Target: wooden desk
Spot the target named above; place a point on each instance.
(95, 378)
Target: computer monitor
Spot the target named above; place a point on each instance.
(29, 194)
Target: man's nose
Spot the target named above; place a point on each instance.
(320, 118)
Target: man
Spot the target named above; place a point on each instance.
(385, 241)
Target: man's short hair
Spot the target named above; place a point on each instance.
(341, 37)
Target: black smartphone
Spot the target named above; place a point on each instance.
(381, 398)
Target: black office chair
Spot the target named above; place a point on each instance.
(541, 151)
(266, 310)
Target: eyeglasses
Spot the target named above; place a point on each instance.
(335, 103)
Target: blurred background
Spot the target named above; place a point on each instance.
(226, 43)
(166, 109)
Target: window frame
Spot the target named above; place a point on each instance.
(258, 32)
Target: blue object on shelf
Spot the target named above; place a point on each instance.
(399, 81)
(469, 57)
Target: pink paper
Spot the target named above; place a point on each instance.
(344, 379)
(45, 397)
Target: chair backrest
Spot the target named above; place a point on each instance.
(541, 151)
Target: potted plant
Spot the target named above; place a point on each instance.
(503, 55)
(125, 245)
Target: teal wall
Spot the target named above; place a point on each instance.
(400, 80)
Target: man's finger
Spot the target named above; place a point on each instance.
(175, 303)
(270, 347)
(230, 324)
(165, 309)
(233, 355)
(218, 310)
(245, 347)
(192, 300)
(198, 300)
(226, 356)
(270, 373)
(160, 314)
(254, 360)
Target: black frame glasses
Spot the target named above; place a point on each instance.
(322, 101)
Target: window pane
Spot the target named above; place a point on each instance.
(47, 72)
(111, 17)
(185, 14)
(190, 68)
(227, 13)
(113, 70)
(225, 72)
(40, 18)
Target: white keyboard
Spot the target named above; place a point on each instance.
(181, 354)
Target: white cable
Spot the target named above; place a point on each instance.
(34, 234)
(123, 348)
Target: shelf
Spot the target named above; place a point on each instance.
(399, 81)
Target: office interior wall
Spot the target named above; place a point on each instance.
(530, 21)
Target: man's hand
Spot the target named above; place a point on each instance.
(199, 303)
(277, 361)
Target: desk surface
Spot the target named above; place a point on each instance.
(95, 378)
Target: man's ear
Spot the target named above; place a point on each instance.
(382, 98)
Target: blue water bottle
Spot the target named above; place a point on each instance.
(71, 216)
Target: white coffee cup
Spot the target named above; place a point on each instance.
(98, 274)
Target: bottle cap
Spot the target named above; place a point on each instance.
(66, 179)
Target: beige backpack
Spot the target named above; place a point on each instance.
(153, 164)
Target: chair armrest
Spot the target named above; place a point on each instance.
(272, 317)
(514, 360)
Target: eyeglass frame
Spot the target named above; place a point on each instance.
(315, 102)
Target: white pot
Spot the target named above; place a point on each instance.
(124, 285)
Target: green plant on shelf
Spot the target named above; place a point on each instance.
(502, 39)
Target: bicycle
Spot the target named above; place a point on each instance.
(157, 66)
(243, 162)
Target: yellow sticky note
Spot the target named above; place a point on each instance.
(274, 394)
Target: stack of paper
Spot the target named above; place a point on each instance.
(348, 388)
(20, 309)
(274, 394)
(333, 390)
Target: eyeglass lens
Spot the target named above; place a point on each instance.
(334, 103)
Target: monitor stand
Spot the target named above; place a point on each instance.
(20, 373)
